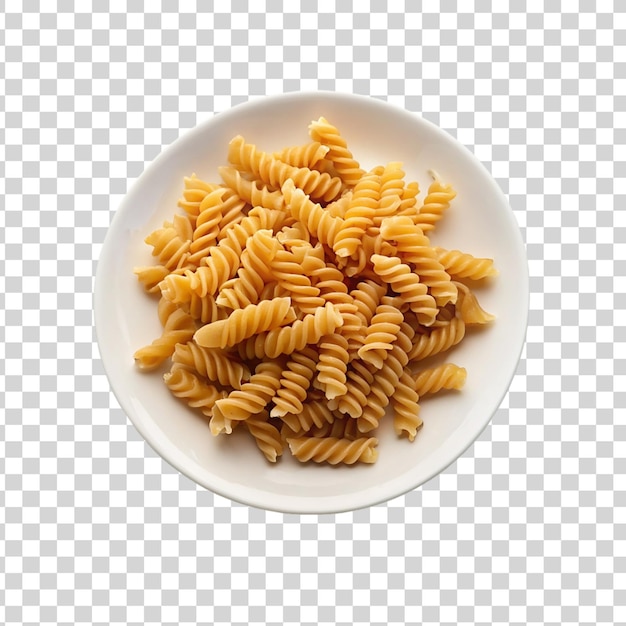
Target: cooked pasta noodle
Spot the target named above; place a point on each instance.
(446, 376)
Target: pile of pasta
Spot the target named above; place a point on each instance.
(300, 296)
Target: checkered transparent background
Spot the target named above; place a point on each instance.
(529, 526)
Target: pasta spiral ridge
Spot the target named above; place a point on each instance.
(178, 327)
(342, 159)
(438, 340)
(205, 310)
(314, 414)
(290, 276)
(320, 223)
(184, 384)
(246, 288)
(380, 334)
(414, 248)
(253, 396)
(404, 282)
(367, 296)
(194, 193)
(332, 365)
(384, 384)
(275, 173)
(288, 339)
(462, 265)
(391, 191)
(435, 204)
(168, 247)
(234, 209)
(213, 364)
(294, 383)
(359, 379)
(334, 451)
(406, 408)
(342, 427)
(251, 192)
(359, 216)
(408, 200)
(244, 323)
(266, 436)
(468, 308)
(306, 155)
(207, 225)
(150, 276)
(332, 289)
(446, 376)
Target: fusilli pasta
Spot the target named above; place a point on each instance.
(297, 294)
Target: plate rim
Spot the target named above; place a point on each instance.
(245, 495)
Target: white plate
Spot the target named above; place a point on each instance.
(479, 221)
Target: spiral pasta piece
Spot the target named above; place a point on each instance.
(462, 265)
(213, 364)
(246, 288)
(359, 216)
(275, 173)
(234, 209)
(320, 223)
(438, 340)
(406, 408)
(168, 247)
(294, 337)
(194, 193)
(408, 203)
(332, 365)
(434, 379)
(404, 282)
(207, 225)
(289, 274)
(252, 398)
(339, 207)
(329, 281)
(380, 334)
(243, 323)
(468, 308)
(391, 192)
(178, 327)
(359, 379)
(183, 383)
(307, 155)
(294, 382)
(150, 276)
(266, 436)
(385, 381)
(414, 247)
(435, 204)
(205, 309)
(332, 450)
(342, 427)
(338, 153)
(367, 296)
(253, 193)
(314, 414)
(374, 408)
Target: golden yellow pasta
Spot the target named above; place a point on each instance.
(243, 323)
(266, 435)
(338, 153)
(434, 379)
(301, 295)
(332, 450)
